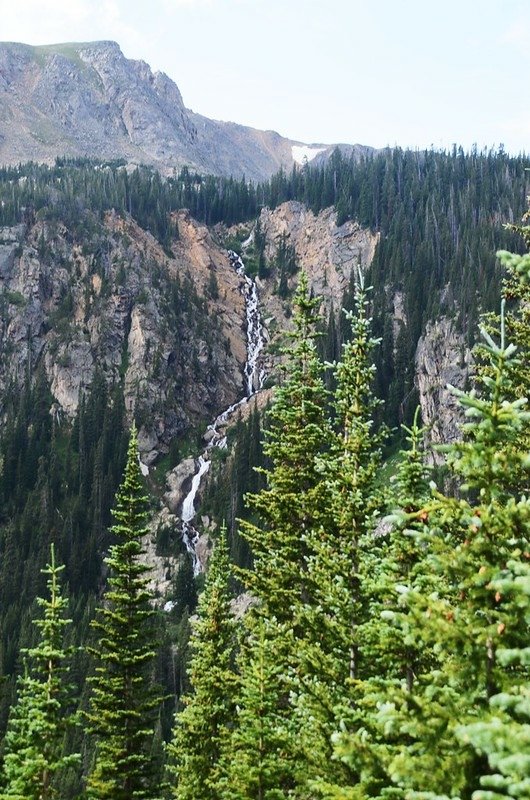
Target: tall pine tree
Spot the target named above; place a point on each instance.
(202, 726)
(34, 757)
(289, 507)
(298, 432)
(263, 757)
(124, 702)
(332, 655)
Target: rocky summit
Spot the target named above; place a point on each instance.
(88, 100)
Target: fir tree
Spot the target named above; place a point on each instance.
(298, 432)
(464, 616)
(392, 723)
(263, 759)
(34, 757)
(289, 508)
(504, 735)
(332, 655)
(124, 702)
(202, 726)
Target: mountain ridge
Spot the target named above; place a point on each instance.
(86, 99)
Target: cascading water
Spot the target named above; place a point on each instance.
(254, 377)
(189, 534)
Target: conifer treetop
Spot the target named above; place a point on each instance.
(124, 702)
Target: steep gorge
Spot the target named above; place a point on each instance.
(118, 300)
(109, 299)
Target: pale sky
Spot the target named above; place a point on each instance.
(414, 73)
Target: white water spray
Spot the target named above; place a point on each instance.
(254, 376)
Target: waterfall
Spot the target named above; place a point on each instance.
(188, 506)
(254, 376)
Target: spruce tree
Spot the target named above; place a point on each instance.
(297, 433)
(34, 757)
(202, 726)
(503, 736)
(263, 760)
(289, 508)
(124, 702)
(332, 655)
(464, 616)
(392, 723)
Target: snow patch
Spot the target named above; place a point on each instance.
(302, 153)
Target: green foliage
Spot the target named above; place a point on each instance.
(262, 760)
(184, 589)
(34, 756)
(333, 653)
(504, 735)
(458, 609)
(440, 218)
(285, 265)
(298, 431)
(124, 703)
(375, 664)
(202, 726)
(57, 485)
(231, 479)
(15, 298)
(68, 189)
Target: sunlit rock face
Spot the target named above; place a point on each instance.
(88, 100)
(117, 306)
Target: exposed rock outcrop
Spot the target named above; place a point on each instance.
(115, 303)
(162, 568)
(88, 100)
(442, 357)
(177, 481)
(328, 253)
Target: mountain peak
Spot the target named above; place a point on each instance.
(87, 99)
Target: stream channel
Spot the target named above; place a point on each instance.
(253, 381)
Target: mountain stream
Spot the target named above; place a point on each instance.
(254, 376)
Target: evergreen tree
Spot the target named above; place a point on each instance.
(184, 589)
(298, 432)
(462, 613)
(289, 507)
(504, 735)
(332, 654)
(34, 757)
(202, 726)
(391, 723)
(263, 758)
(124, 702)
(516, 292)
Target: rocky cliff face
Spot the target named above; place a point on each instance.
(328, 253)
(442, 357)
(108, 299)
(89, 100)
(112, 301)
(102, 300)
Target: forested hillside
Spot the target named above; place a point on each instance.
(349, 670)
(440, 217)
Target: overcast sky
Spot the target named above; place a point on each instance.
(379, 72)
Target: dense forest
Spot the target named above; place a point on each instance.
(385, 651)
(441, 218)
